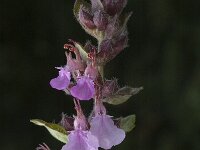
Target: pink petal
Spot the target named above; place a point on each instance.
(81, 140)
(62, 81)
(84, 90)
(108, 135)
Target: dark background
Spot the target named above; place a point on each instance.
(163, 57)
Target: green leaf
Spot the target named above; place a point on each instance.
(55, 130)
(122, 95)
(82, 51)
(127, 123)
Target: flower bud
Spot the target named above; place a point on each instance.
(105, 50)
(67, 122)
(91, 71)
(111, 48)
(112, 27)
(114, 7)
(106, 46)
(100, 20)
(120, 44)
(88, 46)
(109, 87)
(86, 19)
(96, 5)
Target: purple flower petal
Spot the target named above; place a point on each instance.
(84, 90)
(81, 140)
(108, 135)
(62, 81)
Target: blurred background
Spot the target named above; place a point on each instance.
(163, 57)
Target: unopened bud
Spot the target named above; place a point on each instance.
(109, 49)
(109, 87)
(100, 20)
(105, 46)
(120, 44)
(114, 7)
(91, 71)
(67, 122)
(96, 5)
(112, 27)
(86, 19)
(88, 46)
(105, 51)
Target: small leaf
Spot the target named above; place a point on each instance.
(77, 6)
(122, 95)
(55, 130)
(127, 123)
(82, 51)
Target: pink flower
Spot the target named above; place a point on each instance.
(84, 90)
(108, 135)
(62, 81)
(81, 140)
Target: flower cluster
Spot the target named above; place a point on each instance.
(83, 81)
(76, 70)
(82, 77)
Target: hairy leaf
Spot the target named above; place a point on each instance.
(127, 123)
(55, 130)
(122, 95)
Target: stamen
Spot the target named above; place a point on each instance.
(70, 47)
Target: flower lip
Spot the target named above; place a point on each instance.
(62, 81)
(81, 140)
(84, 89)
(107, 133)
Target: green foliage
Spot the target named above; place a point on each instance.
(127, 123)
(55, 130)
(122, 95)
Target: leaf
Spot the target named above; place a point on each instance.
(77, 6)
(122, 95)
(82, 51)
(127, 123)
(55, 130)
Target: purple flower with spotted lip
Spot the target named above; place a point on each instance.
(84, 89)
(62, 81)
(81, 140)
(108, 134)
